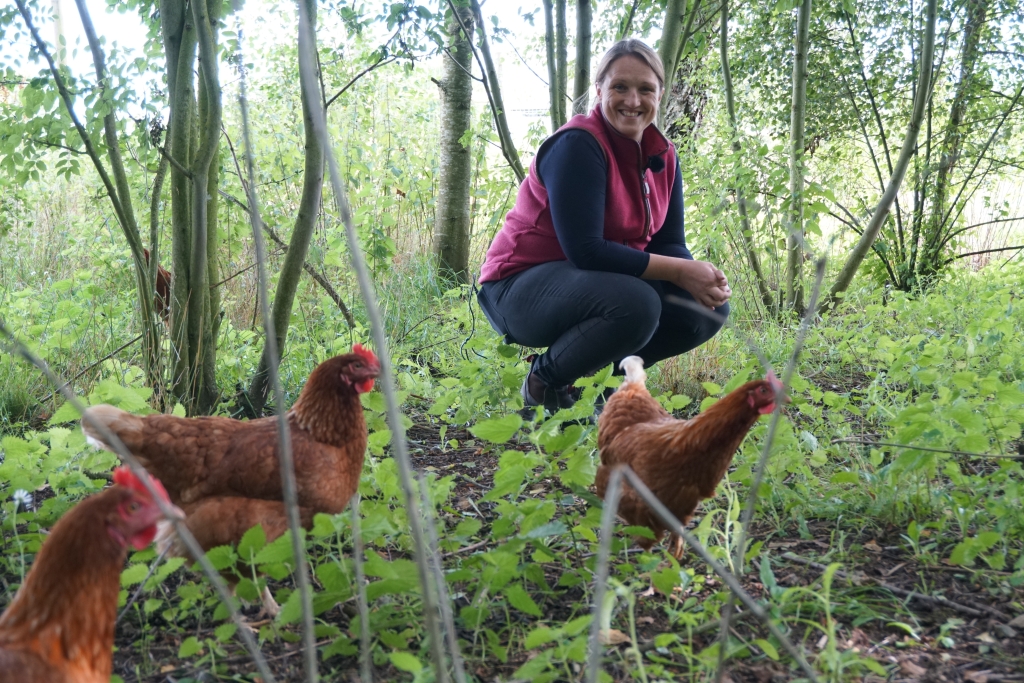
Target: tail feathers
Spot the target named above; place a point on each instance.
(634, 367)
(126, 426)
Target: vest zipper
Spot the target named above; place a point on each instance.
(647, 203)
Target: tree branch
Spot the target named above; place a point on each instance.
(881, 211)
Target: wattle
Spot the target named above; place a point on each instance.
(143, 538)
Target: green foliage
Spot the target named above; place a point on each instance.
(518, 527)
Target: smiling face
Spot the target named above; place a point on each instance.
(629, 95)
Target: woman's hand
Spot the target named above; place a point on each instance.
(704, 281)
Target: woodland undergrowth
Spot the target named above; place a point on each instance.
(518, 525)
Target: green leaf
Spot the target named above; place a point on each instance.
(506, 351)
(133, 575)
(225, 632)
(712, 388)
(506, 481)
(221, 557)
(252, 542)
(189, 647)
(404, 661)
(291, 610)
(550, 529)
(379, 439)
(845, 478)
(540, 636)
(767, 648)
(277, 552)
(962, 554)
(666, 580)
(497, 430)
(521, 600)
(66, 413)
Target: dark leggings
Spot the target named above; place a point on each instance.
(590, 318)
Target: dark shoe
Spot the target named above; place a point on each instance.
(554, 398)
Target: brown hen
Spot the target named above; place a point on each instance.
(681, 461)
(225, 473)
(60, 626)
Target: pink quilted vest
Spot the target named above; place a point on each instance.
(636, 200)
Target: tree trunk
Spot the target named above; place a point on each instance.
(581, 82)
(930, 262)
(549, 44)
(795, 240)
(561, 60)
(669, 48)
(451, 222)
(921, 97)
(202, 323)
(193, 141)
(302, 233)
(686, 93)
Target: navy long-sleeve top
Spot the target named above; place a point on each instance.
(573, 170)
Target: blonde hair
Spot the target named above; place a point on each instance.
(636, 48)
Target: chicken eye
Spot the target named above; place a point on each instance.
(357, 364)
(133, 506)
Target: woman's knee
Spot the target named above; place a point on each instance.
(709, 325)
(636, 311)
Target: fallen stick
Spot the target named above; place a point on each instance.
(976, 611)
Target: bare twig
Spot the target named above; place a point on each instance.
(169, 511)
(400, 450)
(926, 448)
(611, 506)
(310, 270)
(383, 61)
(676, 527)
(748, 511)
(289, 488)
(365, 660)
(442, 589)
(984, 251)
(113, 353)
(978, 610)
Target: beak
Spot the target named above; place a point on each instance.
(176, 513)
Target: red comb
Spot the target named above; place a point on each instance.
(367, 354)
(773, 381)
(123, 476)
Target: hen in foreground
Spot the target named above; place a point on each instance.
(681, 461)
(60, 626)
(225, 473)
